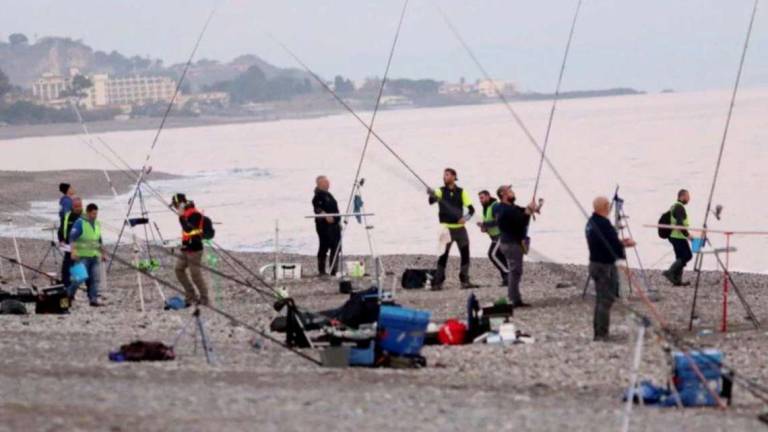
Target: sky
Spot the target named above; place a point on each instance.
(686, 45)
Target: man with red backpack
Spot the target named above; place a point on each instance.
(192, 235)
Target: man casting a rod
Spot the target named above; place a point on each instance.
(452, 200)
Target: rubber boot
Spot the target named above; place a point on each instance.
(675, 272)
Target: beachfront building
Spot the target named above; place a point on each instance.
(49, 87)
(488, 88)
(128, 91)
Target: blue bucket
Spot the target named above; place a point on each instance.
(696, 244)
(78, 273)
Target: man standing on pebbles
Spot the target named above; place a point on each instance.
(328, 228)
(513, 222)
(87, 247)
(452, 201)
(605, 248)
(191, 221)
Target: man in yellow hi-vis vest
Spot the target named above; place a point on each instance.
(680, 240)
(85, 238)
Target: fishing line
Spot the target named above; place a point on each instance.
(722, 148)
(349, 109)
(370, 126)
(559, 177)
(143, 171)
(556, 98)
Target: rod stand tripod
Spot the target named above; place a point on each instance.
(151, 234)
(295, 335)
(52, 251)
(199, 334)
(728, 283)
(621, 222)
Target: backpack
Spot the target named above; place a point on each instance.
(208, 231)
(665, 219)
(416, 278)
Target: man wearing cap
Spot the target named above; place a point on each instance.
(490, 227)
(191, 257)
(65, 202)
(452, 200)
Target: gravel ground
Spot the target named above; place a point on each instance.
(54, 372)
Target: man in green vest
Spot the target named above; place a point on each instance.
(85, 238)
(67, 222)
(490, 227)
(452, 201)
(680, 240)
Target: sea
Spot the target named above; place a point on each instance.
(256, 180)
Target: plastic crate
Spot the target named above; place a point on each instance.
(402, 330)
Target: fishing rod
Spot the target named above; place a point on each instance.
(221, 312)
(143, 171)
(36, 270)
(371, 124)
(559, 177)
(556, 98)
(721, 151)
(346, 106)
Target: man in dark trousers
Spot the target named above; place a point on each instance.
(328, 227)
(67, 222)
(452, 200)
(513, 222)
(490, 227)
(604, 249)
(679, 240)
(191, 256)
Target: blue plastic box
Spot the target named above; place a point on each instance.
(402, 330)
(708, 362)
(362, 356)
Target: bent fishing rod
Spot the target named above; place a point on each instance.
(721, 151)
(556, 98)
(371, 124)
(155, 140)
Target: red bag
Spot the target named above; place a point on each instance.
(452, 332)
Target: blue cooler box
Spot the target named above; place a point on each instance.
(402, 330)
(692, 391)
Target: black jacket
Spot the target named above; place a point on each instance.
(193, 222)
(512, 221)
(603, 240)
(63, 233)
(324, 202)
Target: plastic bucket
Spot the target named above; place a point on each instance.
(696, 244)
(78, 273)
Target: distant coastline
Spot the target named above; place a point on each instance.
(151, 123)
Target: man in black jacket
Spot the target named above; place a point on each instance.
(605, 248)
(513, 221)
(328, 228)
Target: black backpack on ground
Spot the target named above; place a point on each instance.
(665, 219)
(417, 278)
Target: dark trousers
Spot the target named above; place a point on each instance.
(513, 252)
(329, 238)
(497, 257)
(461, 238)
(606, 279)
(683, 255)
(66, 263)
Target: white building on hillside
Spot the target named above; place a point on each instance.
(49, 86)
(131, 90)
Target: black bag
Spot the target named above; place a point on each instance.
(52, 300)
(12, 307)
(417, 278)
(665, 219)
(208, 232)
(147, 351)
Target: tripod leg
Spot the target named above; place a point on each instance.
(182, 332)
(204, 339)
(586, 287)
(699, 261)
(117, 245)
(747, 308)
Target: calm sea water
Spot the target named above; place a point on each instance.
(249, 176)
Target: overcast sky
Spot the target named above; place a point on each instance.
(648, 44)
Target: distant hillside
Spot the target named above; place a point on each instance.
(24, 62)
